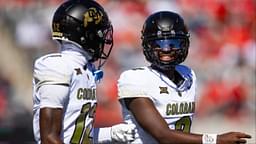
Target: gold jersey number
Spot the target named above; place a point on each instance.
(183, 124)
(81, 133)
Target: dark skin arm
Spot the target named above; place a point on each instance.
(50, 125)
(151, 121)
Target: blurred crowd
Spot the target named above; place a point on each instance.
(222, 54)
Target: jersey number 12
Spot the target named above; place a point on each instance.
(82, 134)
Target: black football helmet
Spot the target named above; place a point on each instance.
(165, 39)
(86, 24)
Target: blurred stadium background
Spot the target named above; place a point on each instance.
(222, 53)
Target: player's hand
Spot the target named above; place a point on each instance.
(123, 133)
(232, 138)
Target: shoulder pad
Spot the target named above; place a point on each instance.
(51, 69)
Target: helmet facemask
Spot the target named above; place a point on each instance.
(166, 53)
(105, 46)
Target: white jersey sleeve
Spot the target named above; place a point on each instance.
(51, 78)
(53, 96)
(51, 69)
(132, 84)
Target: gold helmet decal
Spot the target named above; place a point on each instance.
(92, 15)
(56, 32)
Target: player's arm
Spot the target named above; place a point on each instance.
(51, 112)
(151, 121)
(52, 77)
(50, 125)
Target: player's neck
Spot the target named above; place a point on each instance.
(171, 73)
(167, 72)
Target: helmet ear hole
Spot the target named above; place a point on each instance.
(83, 41)
(91, 36)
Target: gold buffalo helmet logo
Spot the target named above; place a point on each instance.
(92, 15)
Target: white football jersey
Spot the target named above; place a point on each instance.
(175, 104)
(79, 104)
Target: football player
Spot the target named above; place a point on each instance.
(160, 99)
(64, 83)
